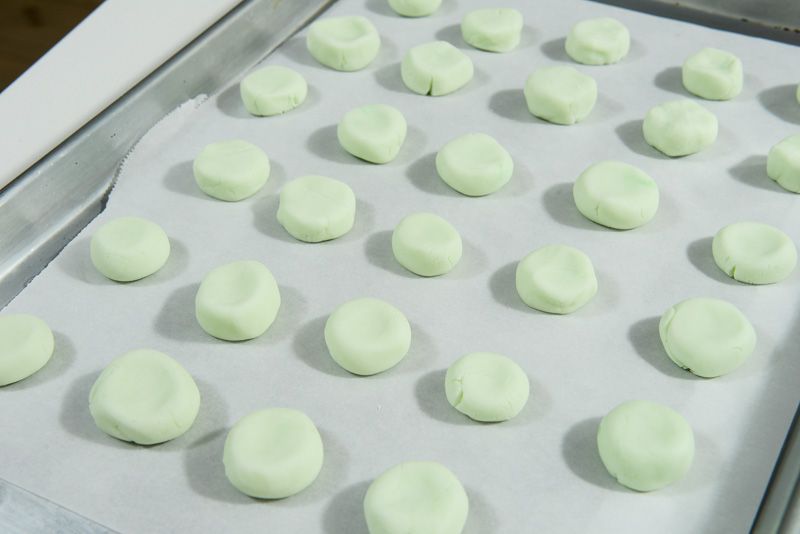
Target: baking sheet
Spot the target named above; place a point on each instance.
(537, 472)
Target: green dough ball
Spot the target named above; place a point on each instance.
(273, 90)
(783, 163)
(680, 127)
(237, 301)
(560, 94)
(316, 208)
(273, 453)
(474, 164)
(416, 498)
(129, 248)
(487, 387)
(616, 195)
(145, 397)
(754, 253)
(598, 41)
(556, 279)
(426, 244)
(713, 74)
(366, 336)
(231, 170)
(26, 345)
(344, 43)
(645, 445)
(492, 29)
(436, 69)
(415, 8)
(373, 133)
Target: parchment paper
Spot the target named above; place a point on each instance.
(537, 473)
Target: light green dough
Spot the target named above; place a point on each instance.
(713, 74)
(556, 279)
(645, 445)
(26, 345)
(373, 133)
(416, 498)
(560, 94)
(680, 127)
(231, 170)
(317, 208)
(129, 248)
(754, 253)
(273, 453)
(144, 396)
(415, 8)
(600, 41)
(367, 336)
(273, 90)
(492, 29)
(474, 164)
(709, 337)
(487, 387)
(237, 301)
(783, 163)
(344, 43)
(437, 68)
(426, 244)
(616, 195)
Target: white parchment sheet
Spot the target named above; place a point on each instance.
(537, 473)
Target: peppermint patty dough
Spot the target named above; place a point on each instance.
(343, 43)
(129, 248)
(416, 497)
(373, 133)
(645, 445)
(426, 244)
(237, 301)
(231, 170)
(560, 94)
(616, 195)
(680, 127)
(783, 163)
(556, 279)
(492, 29)
(316, 208)
(366, 336)
(599, 41)
(26, 345)
(436, 69)
(487, 387)
(709, 337)
(713, 74)
(145, 397)
(273, 90)
(754, 253)
(474, 164)
(415, 8)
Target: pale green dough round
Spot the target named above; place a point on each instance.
(783, 163)
(487, 387)
(426, 244)
(129, 248)
(273, 90)
(415, 8)
(754, 253)
(344, 43)
(492, 29)
(474, 164)
(26, 345)
(600, 41)
(231, 170)
(373, 133)
(560, 94)
(713, 74)
(144, 396)
(709, 337)
(556, 279)
(237, 301)
(317, 208)
(616, 195)
(367, 336)
(680, 127)
(273, 453)
(645, 445)
(416, 498)
(436, 68)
